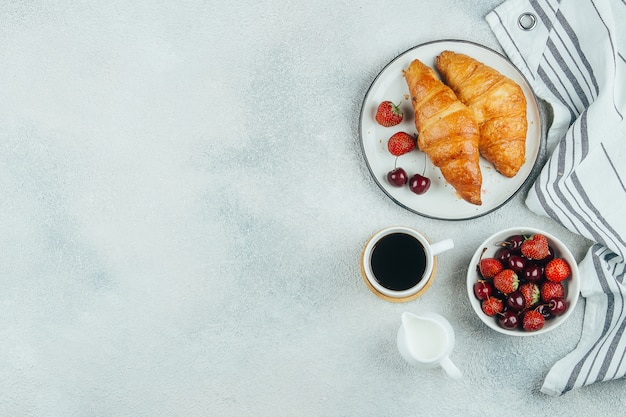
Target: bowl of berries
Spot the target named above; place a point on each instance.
(523, 281)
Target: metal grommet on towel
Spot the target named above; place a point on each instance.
(527, 21)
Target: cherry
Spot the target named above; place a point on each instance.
(483, 290)
(533, 273)
(503, 255)
(419, 184)
(397, 177)
(514, 243)
(508, 320)
(544, 310)
(557, 306)
(516, 263)
(498, 294)
(516, 301)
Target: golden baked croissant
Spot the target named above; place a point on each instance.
(499, 107)
(447, 132)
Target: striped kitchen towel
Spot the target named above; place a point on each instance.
(574, 55)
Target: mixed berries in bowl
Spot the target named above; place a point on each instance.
(523, 282)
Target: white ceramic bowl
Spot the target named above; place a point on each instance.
(572, 284)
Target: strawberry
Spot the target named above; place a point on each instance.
(533, 321)
(388, 114)
(557, 270)
(506, 281)
(535, 247)
(492, 306)
(550, 290)
(490, 267)
(531, 293)
(401, 143)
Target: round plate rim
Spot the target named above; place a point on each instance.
(532, 172)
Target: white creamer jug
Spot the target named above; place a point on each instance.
(426, 341)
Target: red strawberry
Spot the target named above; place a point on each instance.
(388, 114)
(533, 321)
(535, 247)
(557, 270)
(490, 267)
(492, 306)
(506, 281)
(401, 143)
(550, 290)
(531, 293)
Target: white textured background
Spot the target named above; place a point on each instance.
(183, 205)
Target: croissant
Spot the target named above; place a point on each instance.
(499, 107)
(447, 132)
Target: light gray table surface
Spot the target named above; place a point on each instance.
(184, 203)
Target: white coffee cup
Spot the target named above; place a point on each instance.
(398, 263)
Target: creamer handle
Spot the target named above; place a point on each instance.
(451, 369)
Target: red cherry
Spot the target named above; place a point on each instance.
(533, 273)
(397, 177)
(503, 255)
(557, 306)
(514, 243)
(483, 290)
(419, 184)
(544, 310)
(516, 263)
(516, 301)
(509, 320)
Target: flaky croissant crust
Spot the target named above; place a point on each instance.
(447, 131)
(498, 105)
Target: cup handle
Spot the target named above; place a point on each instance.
(451, 369)
(442, 246)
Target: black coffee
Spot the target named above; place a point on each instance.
(398, 261)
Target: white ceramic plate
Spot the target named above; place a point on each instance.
(440, 201)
